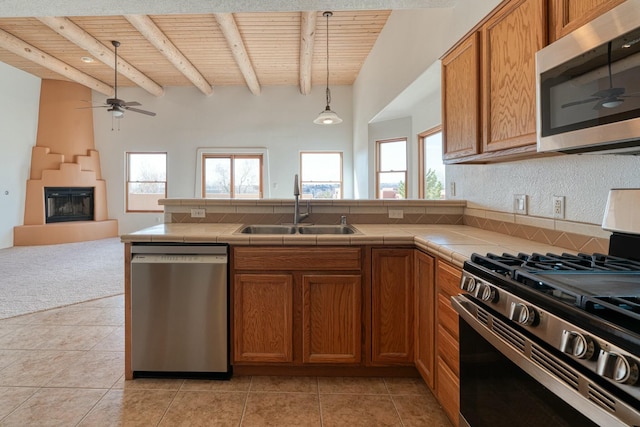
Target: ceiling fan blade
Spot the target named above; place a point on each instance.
(93, 106)
(137, 110)
(131, 104)
(584, 101)
(607, 93)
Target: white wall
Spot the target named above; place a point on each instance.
(280, 119)
(410, 42)
(19, 101)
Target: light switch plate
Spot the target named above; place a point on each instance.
(520, 203)
(197, 213)
(396, 213)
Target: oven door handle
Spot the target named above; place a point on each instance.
(468, 311)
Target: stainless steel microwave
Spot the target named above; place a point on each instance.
(588, 86)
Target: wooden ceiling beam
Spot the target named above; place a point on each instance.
(229, 28)
(307, 41)
(66, 28)
(33, 54)
(159, 40)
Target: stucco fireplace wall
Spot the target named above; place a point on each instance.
(64, 156)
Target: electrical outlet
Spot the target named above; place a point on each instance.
(396, 213)
(197, 213)
(452, 189)
(558, 207)
(520, 203)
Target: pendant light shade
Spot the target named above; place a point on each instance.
(328, 117)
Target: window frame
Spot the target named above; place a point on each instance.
(128, 181)
(379, 171)
(232, 158)
(341, 182)
(422, 136)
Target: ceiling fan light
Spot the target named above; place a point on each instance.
(116, 112)
(613, 103)
(327, 117)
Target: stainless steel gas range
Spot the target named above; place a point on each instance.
(553, 339)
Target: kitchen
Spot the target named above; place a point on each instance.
(583, 180)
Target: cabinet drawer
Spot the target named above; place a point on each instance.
(448, 279)
(295, 258)
(448, 349)
(447, 316)
(448, 390)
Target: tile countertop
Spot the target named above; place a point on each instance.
(453, 243)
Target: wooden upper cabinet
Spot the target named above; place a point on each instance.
(461, 99)
(392, 306)
(568, 15)
(331, 318)
(510, 40)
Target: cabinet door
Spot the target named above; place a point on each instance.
(331, 318)
(392, 306)
(510, 40)
(461, 100)
(424, 341)
(262, 317)
(568, 15)
(448, 391)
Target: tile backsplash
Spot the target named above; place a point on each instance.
(577, 237)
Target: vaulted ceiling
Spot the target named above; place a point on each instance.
(204, 50)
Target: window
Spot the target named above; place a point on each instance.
(232, 176)
(430, 166)
(391, 169)
(321, 175)
(146, 181)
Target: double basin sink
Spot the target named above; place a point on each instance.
(297, 229)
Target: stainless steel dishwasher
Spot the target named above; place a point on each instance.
(180, 310)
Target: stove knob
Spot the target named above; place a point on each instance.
(468, 284)
(578, 345)
(523, 314)
(486, 293)
(619, 368)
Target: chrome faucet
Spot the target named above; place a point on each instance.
(297, 216)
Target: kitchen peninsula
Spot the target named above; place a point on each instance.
(375, 302)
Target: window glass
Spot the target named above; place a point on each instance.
(391, 173)
(146, 181)
(433, 177)
(321, 175)
(232, 176)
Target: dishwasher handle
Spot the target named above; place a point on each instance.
(178, 259)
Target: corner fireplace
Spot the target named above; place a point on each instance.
(64, 204)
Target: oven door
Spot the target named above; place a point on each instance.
(507, 379)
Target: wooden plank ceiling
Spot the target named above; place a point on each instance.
(269, 45)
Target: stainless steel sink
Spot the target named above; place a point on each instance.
(325, 229)
(268, 229)
(290, 229)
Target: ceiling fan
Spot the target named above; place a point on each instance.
(606, 98)
(117, 106)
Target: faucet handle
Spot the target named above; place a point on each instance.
(343, 220)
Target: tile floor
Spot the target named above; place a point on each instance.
(64, 367)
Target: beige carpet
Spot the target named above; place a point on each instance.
(36, 278)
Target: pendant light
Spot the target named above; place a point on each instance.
(328, 117)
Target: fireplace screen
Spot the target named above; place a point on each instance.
(68, 204)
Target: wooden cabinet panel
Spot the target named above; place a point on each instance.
(332, 318)
(263, 318)
(296, 258)
(447, 390)
(424, 341)
(568, 15)
(461, 99)
(448, 281)
(448, 349)
(447, 316)
(392, 306)
(510, 39)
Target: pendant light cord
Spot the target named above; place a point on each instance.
(328, 92)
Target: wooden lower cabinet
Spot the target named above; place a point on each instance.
(392, 306)
(263, 318)
(447, 388)
(424, 340)
(295, 306)
(331, 318)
